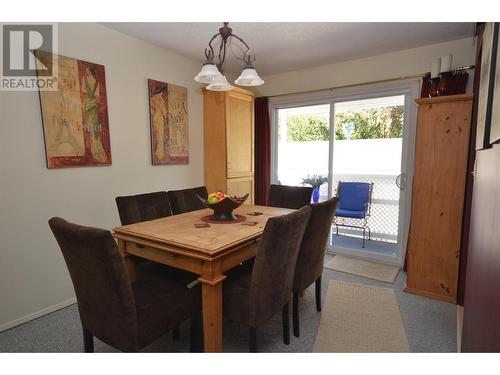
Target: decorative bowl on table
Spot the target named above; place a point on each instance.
(223, 205)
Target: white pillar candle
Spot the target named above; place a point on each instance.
(446, 63)
(436, 65)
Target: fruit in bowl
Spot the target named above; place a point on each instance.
(223, 205)
(216, 197)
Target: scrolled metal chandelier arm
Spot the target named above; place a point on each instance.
(213, 72)
(210, 54)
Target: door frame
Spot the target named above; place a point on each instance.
(410, 88)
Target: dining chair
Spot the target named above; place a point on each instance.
(289, 196)
(254, 297)
(125, 315)
(311, 256)
(150, 206)
(185, 200)
(143, 207)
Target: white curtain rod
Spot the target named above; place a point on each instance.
(418, 75)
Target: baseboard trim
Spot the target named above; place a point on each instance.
(36, 314)
(460, 324)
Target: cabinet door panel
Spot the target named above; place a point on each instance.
(239, 135)
(241, 186)
(438, 195)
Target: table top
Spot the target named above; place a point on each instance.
(179, 231)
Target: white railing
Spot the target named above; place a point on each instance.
(368, 160)
(384, 211)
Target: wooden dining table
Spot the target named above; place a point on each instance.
(185, 242)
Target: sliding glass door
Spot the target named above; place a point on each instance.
(357, 138)
(367, 149)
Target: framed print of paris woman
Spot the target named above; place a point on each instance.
(168, 111)
(75, 116)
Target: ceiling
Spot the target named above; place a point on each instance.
(285, 46)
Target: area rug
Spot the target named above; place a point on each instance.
(360, 319)
(364, 268)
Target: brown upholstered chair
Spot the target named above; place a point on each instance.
(124, 315)
(289, 196)
(185, 200)
(143, 207)
(311, 256)
(255, 297)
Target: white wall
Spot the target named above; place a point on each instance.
(386, 66)
(356, 156)
(33, 276)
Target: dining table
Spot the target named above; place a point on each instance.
(208, 249)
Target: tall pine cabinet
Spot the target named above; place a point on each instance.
(441, 154)
(229, 141)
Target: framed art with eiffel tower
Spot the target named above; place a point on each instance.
(168, 109)
(75, 116)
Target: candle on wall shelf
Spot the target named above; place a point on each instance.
(436, 65)
(446, 63)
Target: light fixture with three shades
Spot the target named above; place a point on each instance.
(212, 73)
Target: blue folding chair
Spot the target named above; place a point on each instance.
(355, 199)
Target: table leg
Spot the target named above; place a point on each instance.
(129, 262)
(212, 313)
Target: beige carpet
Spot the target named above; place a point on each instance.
(364, 268)
(360, 319)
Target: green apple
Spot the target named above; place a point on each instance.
(212, 200)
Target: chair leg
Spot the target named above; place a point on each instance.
(176, 333)
(295, 313)
(196, 334)
(88, 341)
(364, 230)
(285, 317)
(317, 288)
(253, 340)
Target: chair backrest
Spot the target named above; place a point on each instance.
(354, 196)
(143, 207)
(102, 287)
(274, 266)
(313, 247)
(289, 196)
(185, 200)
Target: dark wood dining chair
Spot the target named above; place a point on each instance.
(125, 315)
(185, 200)
(311, 256)
(289, 196)
(254, 297)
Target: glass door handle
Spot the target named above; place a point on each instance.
(401, 181)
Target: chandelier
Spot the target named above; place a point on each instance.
(212, 73)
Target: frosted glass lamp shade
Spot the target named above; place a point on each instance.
(249, 77)
(208, 73)
(219, 84)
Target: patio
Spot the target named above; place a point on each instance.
(349, 243)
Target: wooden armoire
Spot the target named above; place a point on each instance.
(229, 141)
(441, 153)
